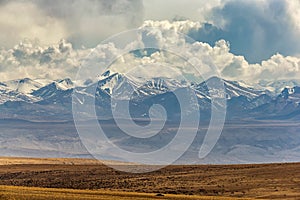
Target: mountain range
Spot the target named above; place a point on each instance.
(44, 100)
(261, 124)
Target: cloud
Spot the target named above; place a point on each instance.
(33, 60)
(29, 59)
(83, 22)
(194, 10)
(19, 20)
(255, 29)
(89, 22)
(218, 55)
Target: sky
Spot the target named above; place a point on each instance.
(251, 40)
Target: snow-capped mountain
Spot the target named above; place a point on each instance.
(292, 94)
(25, 85)
(17, 91)
(285, 106)
(232, 89)
(126, 87)
(53, 88)
(249, 134)
(243, 101)
(31, 91)
(10, 95)
(278, 86)
(117, 85)
(158, 86)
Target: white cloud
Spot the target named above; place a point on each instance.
(30, 59)
(256, 29)
(228, 65)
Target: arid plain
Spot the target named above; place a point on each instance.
(89, 179)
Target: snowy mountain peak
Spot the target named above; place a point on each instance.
(54, 88)
(65, 84)
(25, 85)
(24, 80)
(106, 74)
(279, 85)
(290, 92)
(67, 81)
(242, 100)
(18, 90)
(117, 84)
(232, 88)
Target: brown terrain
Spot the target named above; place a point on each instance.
(255, 181)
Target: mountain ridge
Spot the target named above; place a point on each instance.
(242, 101)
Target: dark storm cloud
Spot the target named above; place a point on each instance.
(255, 29)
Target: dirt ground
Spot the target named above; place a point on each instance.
(34, 193)
(262, 181)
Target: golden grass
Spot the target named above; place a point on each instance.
(258, 181)
(57, 161)
(34, 193)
